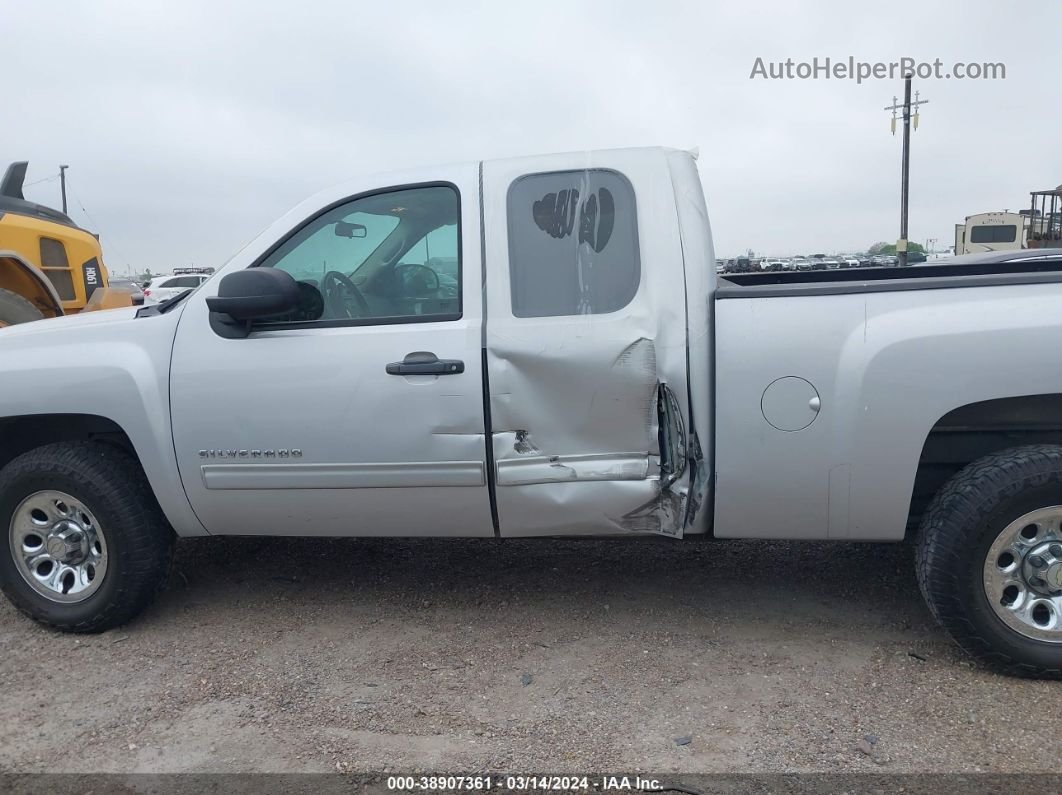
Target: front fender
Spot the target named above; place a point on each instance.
(110, 364)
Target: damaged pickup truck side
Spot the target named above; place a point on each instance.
(542, 347)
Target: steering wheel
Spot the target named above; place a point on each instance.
(333, 286)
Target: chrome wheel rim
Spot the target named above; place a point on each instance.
(1023, 575)
(58, 546)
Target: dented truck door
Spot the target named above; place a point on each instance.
(586, 345)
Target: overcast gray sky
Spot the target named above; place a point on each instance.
(190, 125)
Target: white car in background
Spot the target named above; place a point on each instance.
(162, 287)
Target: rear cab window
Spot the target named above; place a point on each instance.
(573, 243)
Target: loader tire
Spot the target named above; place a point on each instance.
(989, 560)
(16, 309)
(85, 546)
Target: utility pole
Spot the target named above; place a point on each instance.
(62, 184)
(901, 244)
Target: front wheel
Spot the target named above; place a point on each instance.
(87, 546)
(990, 560)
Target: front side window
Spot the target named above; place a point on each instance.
(573, 243)
(387, 257)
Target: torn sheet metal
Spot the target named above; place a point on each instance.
(699, 268)
(662, 515)
(584, 326)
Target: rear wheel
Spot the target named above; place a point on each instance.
(86, 546)
(16, 309)
(990, 560)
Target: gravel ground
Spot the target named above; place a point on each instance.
(564, 656)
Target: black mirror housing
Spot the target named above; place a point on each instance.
(252, 294)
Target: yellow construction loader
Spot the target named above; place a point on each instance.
(49, 266)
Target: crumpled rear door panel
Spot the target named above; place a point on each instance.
(587, 439)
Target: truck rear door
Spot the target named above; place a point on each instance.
(586, 344)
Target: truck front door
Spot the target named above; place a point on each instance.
(586, 345)
(362, 412)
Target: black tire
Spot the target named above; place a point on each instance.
(16, 309)
(957, 531)
(138, 538)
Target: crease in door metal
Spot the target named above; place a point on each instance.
(650, 481)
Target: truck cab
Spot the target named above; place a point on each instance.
(514, 367)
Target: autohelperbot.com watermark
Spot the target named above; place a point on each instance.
(851, 68)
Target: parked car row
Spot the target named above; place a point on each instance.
(136, 294)
(163, 287)
(813, 262)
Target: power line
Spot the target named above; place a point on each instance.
(97, 226)
(80, 204)
(52, 178)
(86, 212)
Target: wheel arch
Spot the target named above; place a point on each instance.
(977, 429)
(22, 433)
(20, 276)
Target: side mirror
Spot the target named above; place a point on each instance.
(347, 229)
(251, 294)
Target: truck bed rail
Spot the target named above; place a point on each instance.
(871, 280)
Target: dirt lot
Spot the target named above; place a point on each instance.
(311, 655)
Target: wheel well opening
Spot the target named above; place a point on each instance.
(22, 434)
(975, 430)
(18, 277)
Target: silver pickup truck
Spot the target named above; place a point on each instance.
(542, 347)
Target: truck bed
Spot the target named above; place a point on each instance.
(983, 273)
(827, 398)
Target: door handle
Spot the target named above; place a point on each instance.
(425, 363)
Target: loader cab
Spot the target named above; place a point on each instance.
(49, 266)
